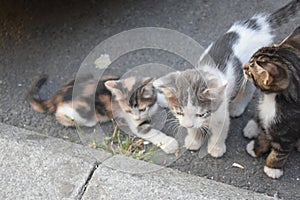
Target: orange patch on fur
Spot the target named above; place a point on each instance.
(64, 120)
(89, 89)
(129, 83)
(37, 107)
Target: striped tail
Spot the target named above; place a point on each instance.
(38, 104)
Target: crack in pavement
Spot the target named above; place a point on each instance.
(85, 185)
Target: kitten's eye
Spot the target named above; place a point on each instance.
(200, 115)
(142, 109)
(128, 111)
(179, 113)
(206, 114)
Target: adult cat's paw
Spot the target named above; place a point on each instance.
(251, 129)
(250, 148)
(191, 143)
(216, 151)
(169, 145)
(273, 173)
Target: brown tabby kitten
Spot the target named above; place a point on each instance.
(80, 108)
(275, 70)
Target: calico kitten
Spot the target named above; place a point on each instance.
(81, 108)
(275, 70)
(137, 101)
(202, 99)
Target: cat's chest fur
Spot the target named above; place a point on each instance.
(267, 109)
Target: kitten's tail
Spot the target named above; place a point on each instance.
(284, 14)
(38, 104)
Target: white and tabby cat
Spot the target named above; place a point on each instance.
(275, 70)
(202, 99)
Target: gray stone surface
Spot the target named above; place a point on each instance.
(34, 166)
(111, 183)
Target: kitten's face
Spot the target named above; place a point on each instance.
(134, 95)
(269, 75)
(190, 98)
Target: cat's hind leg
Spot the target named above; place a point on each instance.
(238, 105)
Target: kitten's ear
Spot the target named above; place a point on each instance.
(166, 83)
(265, 70)
(113, 87)
(215, 93)
(147, 88)
(292, 40)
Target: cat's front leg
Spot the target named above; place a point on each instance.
(260, 145)
(194, 139)
(166, 143)
(251, 130)
(219, 127)
(277, 159)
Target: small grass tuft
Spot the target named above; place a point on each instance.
(122, 144)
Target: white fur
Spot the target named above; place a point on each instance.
(161, 100)
(267, 109)
(193, 141)
(250, 148)
(251, 40)
(251, 129)
(156, 137)
(273, 173)
(66, 110)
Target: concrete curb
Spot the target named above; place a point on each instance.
(34, 166)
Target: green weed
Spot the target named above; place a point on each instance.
(120, 143)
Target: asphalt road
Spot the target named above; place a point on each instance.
(54, 38)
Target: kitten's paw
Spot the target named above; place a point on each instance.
(250, 148)
(170, 145)
(251, 129)
(273, 173)
(236, 109)
(217, 151)
(192, 143)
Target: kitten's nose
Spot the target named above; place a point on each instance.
(246, 66)
(188, 125)
(137, 117)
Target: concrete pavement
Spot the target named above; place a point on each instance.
(35, 166)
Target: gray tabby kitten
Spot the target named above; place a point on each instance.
(136, 101)
(202, 99)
